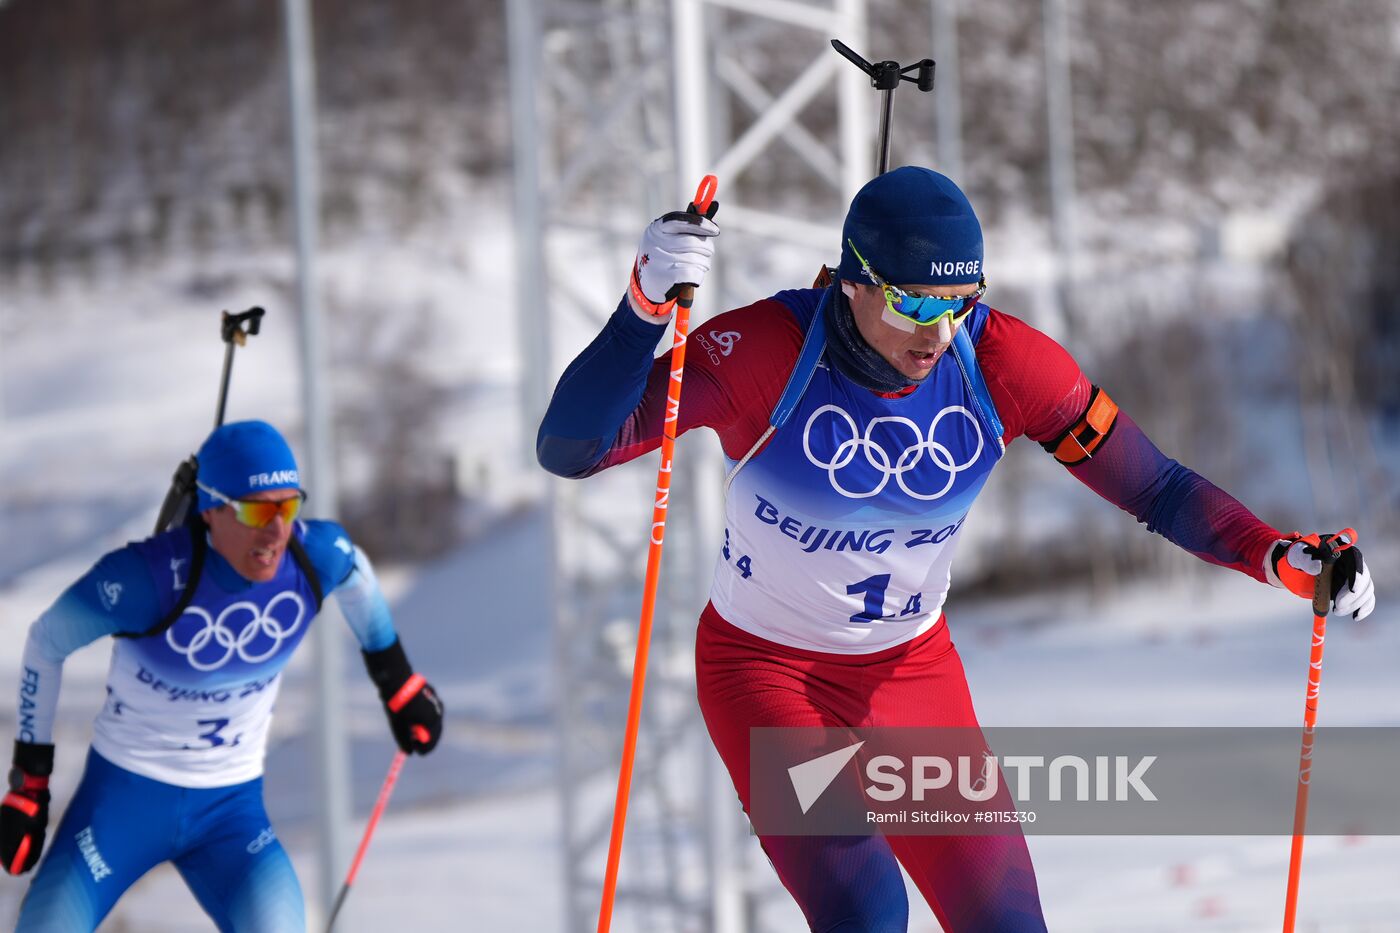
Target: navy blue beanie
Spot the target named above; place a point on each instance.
(914, 227)
(245, 457)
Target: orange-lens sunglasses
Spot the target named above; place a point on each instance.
(259, 513)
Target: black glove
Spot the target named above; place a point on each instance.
(413, 707)
(24, 814)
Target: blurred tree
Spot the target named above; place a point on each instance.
(1344, 283)
(406, 505)
(122, 122)
(1180, 108)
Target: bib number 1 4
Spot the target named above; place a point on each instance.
(874, 590)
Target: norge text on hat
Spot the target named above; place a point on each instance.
(915, 227)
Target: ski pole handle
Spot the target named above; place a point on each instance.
(1330, 549)
(704, 196)
(1322, 595)
(701, 206)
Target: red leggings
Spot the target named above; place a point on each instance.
(978, 884)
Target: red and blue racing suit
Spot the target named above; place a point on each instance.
(827, 602)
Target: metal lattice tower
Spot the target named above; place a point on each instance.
(618, 109)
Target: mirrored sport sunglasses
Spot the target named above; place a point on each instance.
(259, 513)
(922, 309)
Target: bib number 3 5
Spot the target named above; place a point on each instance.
(213, 733)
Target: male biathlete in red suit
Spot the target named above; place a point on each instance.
(853, 465)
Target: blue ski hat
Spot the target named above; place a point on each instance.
(914, 227)
(245, 457)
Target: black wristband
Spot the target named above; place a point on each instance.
(34, 759)
(388, 668)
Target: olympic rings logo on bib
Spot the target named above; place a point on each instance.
(214, 644)
(882, 461)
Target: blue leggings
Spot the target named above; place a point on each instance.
(121, 825)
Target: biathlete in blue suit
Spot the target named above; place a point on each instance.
(205, 619)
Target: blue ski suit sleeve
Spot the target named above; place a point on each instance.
(601, 387)
(1176, 502)
(346, 571)
(1040, 391)
(116, 595)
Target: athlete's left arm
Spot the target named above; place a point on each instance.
(346, 573)
(1040, 392)
(413, 707)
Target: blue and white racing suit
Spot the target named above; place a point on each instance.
(175, 769)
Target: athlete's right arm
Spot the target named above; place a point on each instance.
(596, 394)
(610, 404)
(116, 595)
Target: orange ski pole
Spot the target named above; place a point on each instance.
(704, 197)
(386, 789)
(1322, 604)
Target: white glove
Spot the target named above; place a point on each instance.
(1292, 564)
(676, 250)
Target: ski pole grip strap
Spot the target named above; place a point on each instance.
(408, 691)
(661, 309)
(33, 759)
(26, 805)
(1078, 442)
